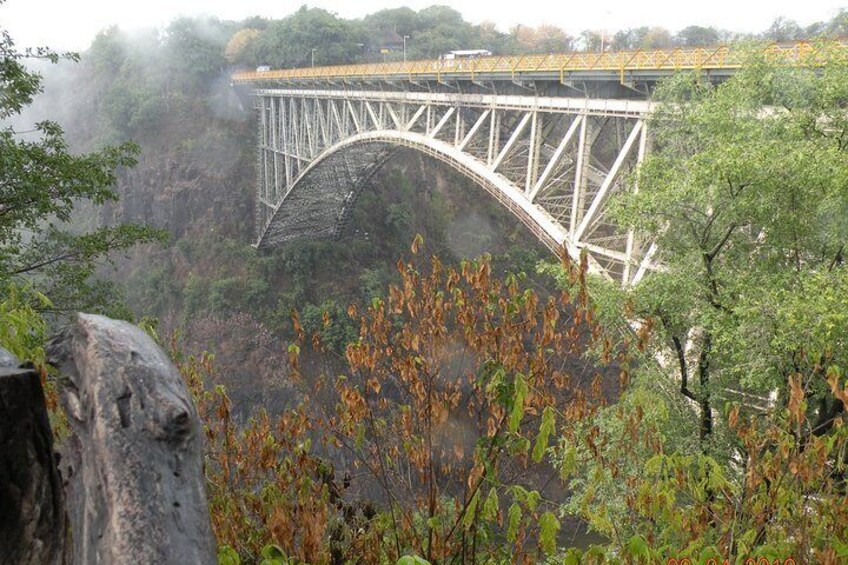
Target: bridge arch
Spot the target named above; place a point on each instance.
(314, 207)
(552, 162)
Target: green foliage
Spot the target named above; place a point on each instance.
(548, 530)
(491, 506)
(412, 560)
(270, 555)
(195, 293)
(747, 204)
(228, 556)
(154, 285)
(399, 219)
(520, 390)
(634, 482)
(131, 106)
(371, 284)
(289, 42)
(235, 294)
(19, 85)
(43, 183)
(545, 430)
(471, 511)
(65, 265)
(273, 555)
(744, 196)
(638, 548)
(698, 36)
(330, 323)
(23, 329)
(514, 521)
(108, 50)
(195, 50)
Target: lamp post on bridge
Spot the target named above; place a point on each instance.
(313, 56)
(405, 37)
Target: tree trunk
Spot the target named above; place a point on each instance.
(706, 428)
(32, 518)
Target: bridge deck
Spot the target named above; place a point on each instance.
(648, 64)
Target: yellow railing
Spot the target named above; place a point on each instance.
(721, 57)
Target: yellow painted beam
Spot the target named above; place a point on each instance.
(700, 58)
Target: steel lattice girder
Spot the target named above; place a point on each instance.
(553, 162)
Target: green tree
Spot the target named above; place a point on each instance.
(745, 197)
(592, 41)
(394, 22)
(697, 36)
(41, 184)
(194, 50)
(838, 25)
(783, 29)
(628, 39)
(656, 38)
(442, 30)
(289, 42)
(330, 323)
(641, 38)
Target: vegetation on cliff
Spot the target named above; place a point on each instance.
(462, 411)
(42, 183)
(744, 195)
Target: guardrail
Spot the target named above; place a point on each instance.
(698, 58)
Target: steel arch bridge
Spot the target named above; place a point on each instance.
(550, 137)
(552, 161)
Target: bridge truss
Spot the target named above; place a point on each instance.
(552, 161)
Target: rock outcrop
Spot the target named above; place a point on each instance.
(134, 488)
(32, 524)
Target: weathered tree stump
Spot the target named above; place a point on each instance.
(31, 513)
(135, 489)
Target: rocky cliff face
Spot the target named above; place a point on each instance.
(32, 513)
(127, 485)
(183, 198)
(195, 175)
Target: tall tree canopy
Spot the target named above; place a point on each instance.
(745, 196)
(732, 440)
(290, 42)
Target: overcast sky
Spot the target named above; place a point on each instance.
(71, 24)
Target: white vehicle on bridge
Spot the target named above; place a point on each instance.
(466, 54)
(455, 58)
